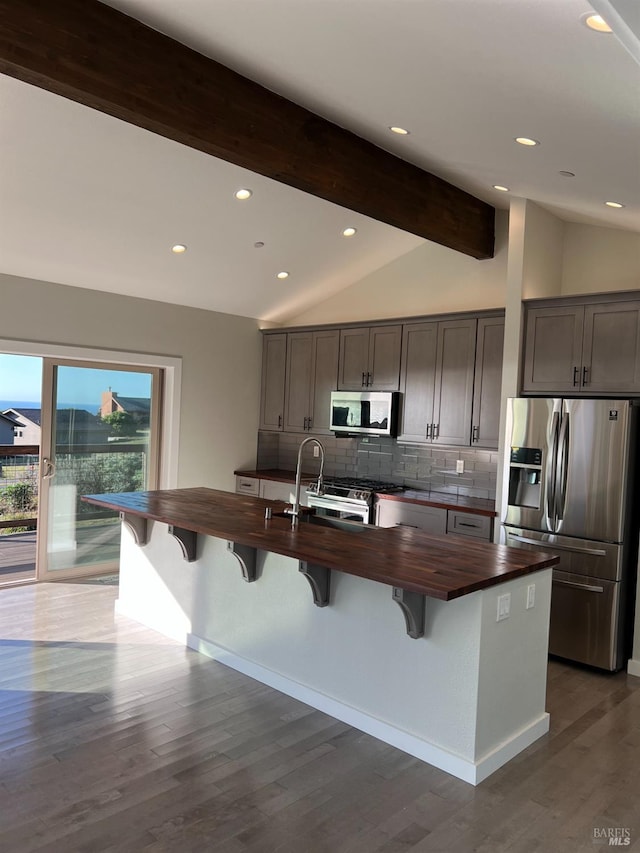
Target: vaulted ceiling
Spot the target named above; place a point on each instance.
(90, 200)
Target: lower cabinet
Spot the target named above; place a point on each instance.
(271, 490)
(433, 519)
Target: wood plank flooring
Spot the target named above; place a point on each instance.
(114, 739)
(17, 556)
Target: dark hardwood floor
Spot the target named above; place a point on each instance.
(113, 738)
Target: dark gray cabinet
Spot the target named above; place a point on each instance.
(312, 372)
(274, 361)
(583, 347)
(370, 358)
(487, 384)
(436, 381)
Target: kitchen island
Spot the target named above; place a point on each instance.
(458, 689)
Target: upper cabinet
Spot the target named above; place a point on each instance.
(448, 370)
(370, 358)
(487, 385)
(274, 360)
(312, 371)
(436, 381)
(585, 347)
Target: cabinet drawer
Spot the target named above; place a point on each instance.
(401, 514)
(248, 486)
(466, 524)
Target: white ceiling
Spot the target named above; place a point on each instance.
(90, 201)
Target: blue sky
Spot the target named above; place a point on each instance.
(21, 380)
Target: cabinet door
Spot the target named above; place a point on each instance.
(273, 490)
(454, 382)
(384, 358)
(417, 379)
(274, 353)
(611, 348)
(324, 378)
(298, 387)
(553, 350)
(354, 359)
(487, 383)
(431, 519)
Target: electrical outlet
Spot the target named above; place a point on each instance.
(316, 450)
(459, 466)
(504, 606)
(531, 596)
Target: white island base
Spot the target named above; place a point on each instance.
(466, 697)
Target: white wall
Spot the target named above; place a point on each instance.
(599, 259)
(220, 356)
(429, 280)
(543, 250)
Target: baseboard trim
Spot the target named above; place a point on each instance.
(468, 771)
(633, 667)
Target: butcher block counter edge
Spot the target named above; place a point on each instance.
(442, 500)
(437, 566)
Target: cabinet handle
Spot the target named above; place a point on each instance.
(468, 524)
(585, 376)
(304, 423)
(309, 423)
(475, 435)
(369, 379)
(363, 380)
(279, 420)
(576, 375)
(436, 430)
(428, 435)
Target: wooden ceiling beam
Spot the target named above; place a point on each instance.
(95, 55)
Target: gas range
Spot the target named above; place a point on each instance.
(348, 497)
(357, 489)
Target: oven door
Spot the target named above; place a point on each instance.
(339, 507)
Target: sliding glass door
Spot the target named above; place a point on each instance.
(100, 434)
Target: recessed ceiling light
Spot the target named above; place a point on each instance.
(399, 130)
(282, 275)
(349, 232)
(615, 204)
(566, 174)
(258, 244)
(501, 188)
(243, 194)
(525, 140)
(596, 22)
(178, 249)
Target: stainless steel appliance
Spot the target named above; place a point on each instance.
(571, 472)
(364, 412)
(348, 497)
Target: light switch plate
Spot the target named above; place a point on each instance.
(504, 606)
(459, 466)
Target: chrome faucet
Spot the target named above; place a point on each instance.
(294, 511)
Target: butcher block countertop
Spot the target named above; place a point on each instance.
(443, 567)
(443, 500)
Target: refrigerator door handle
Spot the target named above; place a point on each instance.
(587, 587)
(594, 552)
(552, 464)
(562, 470)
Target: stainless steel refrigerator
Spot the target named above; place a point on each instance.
(571, 473)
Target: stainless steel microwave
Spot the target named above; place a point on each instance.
(364, 412)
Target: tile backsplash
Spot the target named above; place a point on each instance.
(416, 466)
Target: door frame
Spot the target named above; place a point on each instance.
(171, 387)
(48, 451)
